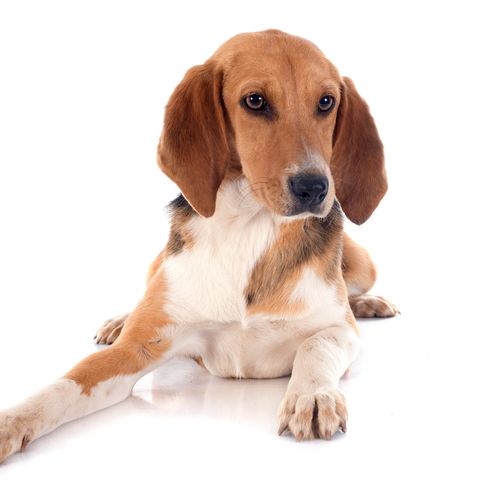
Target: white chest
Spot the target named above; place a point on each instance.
(207, 281)
(205, 294)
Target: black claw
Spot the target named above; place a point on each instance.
(283, 428)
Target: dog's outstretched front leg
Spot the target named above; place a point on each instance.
(102, 379)
(313, 405)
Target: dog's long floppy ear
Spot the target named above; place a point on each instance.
(357, 162)
(193, 149)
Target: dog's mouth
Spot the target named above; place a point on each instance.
(296, 213)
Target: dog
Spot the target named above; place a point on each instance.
(269, 146)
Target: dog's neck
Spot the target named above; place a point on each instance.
(238, 214)
(235, 199)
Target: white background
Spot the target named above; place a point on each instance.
(82, 91)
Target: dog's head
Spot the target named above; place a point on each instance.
(271, 106)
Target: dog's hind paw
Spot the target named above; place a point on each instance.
(368, 306)
(110, 330)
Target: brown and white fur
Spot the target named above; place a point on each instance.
(254, 281)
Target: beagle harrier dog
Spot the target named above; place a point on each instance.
(269, 146)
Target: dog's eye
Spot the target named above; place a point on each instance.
(256, 102)
(326, 103)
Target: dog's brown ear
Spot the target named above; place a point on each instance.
(357, 162)
(193, 149)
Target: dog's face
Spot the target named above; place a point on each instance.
(281, 103)
(273, 107)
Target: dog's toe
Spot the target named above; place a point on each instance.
(367, 306)
(110, 330)
(309, 416)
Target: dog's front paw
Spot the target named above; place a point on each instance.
(110, 330)
(15, 434)
(368, 306)
(308, 416)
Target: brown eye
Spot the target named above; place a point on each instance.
(326, 103)
(255, 102)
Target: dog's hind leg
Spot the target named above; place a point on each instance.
(360, 275)
(111, 329)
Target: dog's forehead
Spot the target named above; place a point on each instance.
(276, 54)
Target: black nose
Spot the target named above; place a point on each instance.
(309, 190)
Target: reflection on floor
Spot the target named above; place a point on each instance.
(182, 387)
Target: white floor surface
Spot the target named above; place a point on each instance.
(418, 419)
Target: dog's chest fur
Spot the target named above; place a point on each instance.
(207, 287)
(207, 281)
